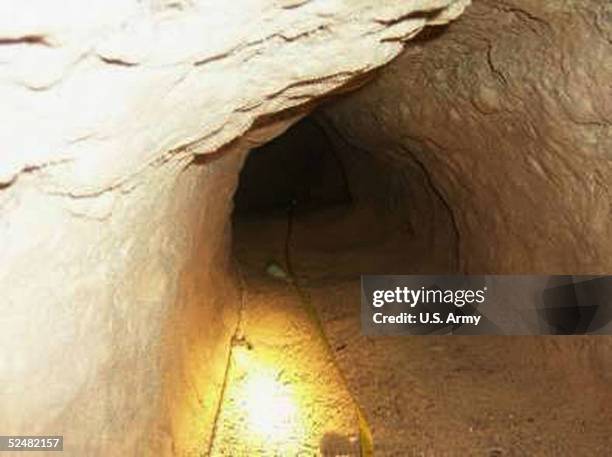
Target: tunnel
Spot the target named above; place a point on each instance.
(192, 191)
(330, 196)
(314, 210)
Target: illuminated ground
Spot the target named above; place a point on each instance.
(284, 396)
(431, 396)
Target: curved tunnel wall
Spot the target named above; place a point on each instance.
(508, 111)
(102, 200)
(118, 300)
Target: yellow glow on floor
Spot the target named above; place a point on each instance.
(266, 404)
(284, 396)
(271, 409)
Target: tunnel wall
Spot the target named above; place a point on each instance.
(399, 195)
(116, 303)
(116, 320)
(508, 112)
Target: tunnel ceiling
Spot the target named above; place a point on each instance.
(508, 113)
(233, 63)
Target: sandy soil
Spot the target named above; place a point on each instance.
(437, 396)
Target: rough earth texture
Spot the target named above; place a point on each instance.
(117, 305)
(508, 110)
(508, 113)
(434, 396)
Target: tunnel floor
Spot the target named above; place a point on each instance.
(423, 395)
(283, 392)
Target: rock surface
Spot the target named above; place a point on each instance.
(508, 110)
(117, 302)
(114, 86)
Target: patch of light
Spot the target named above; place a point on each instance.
(270, 407)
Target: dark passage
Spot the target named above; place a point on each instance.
(300, 167)
(354, 210)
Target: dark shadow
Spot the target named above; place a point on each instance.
(429, 33)
(299, 167)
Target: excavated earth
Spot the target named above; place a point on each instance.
(494, 135)
(430, 396)
(482, 146)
